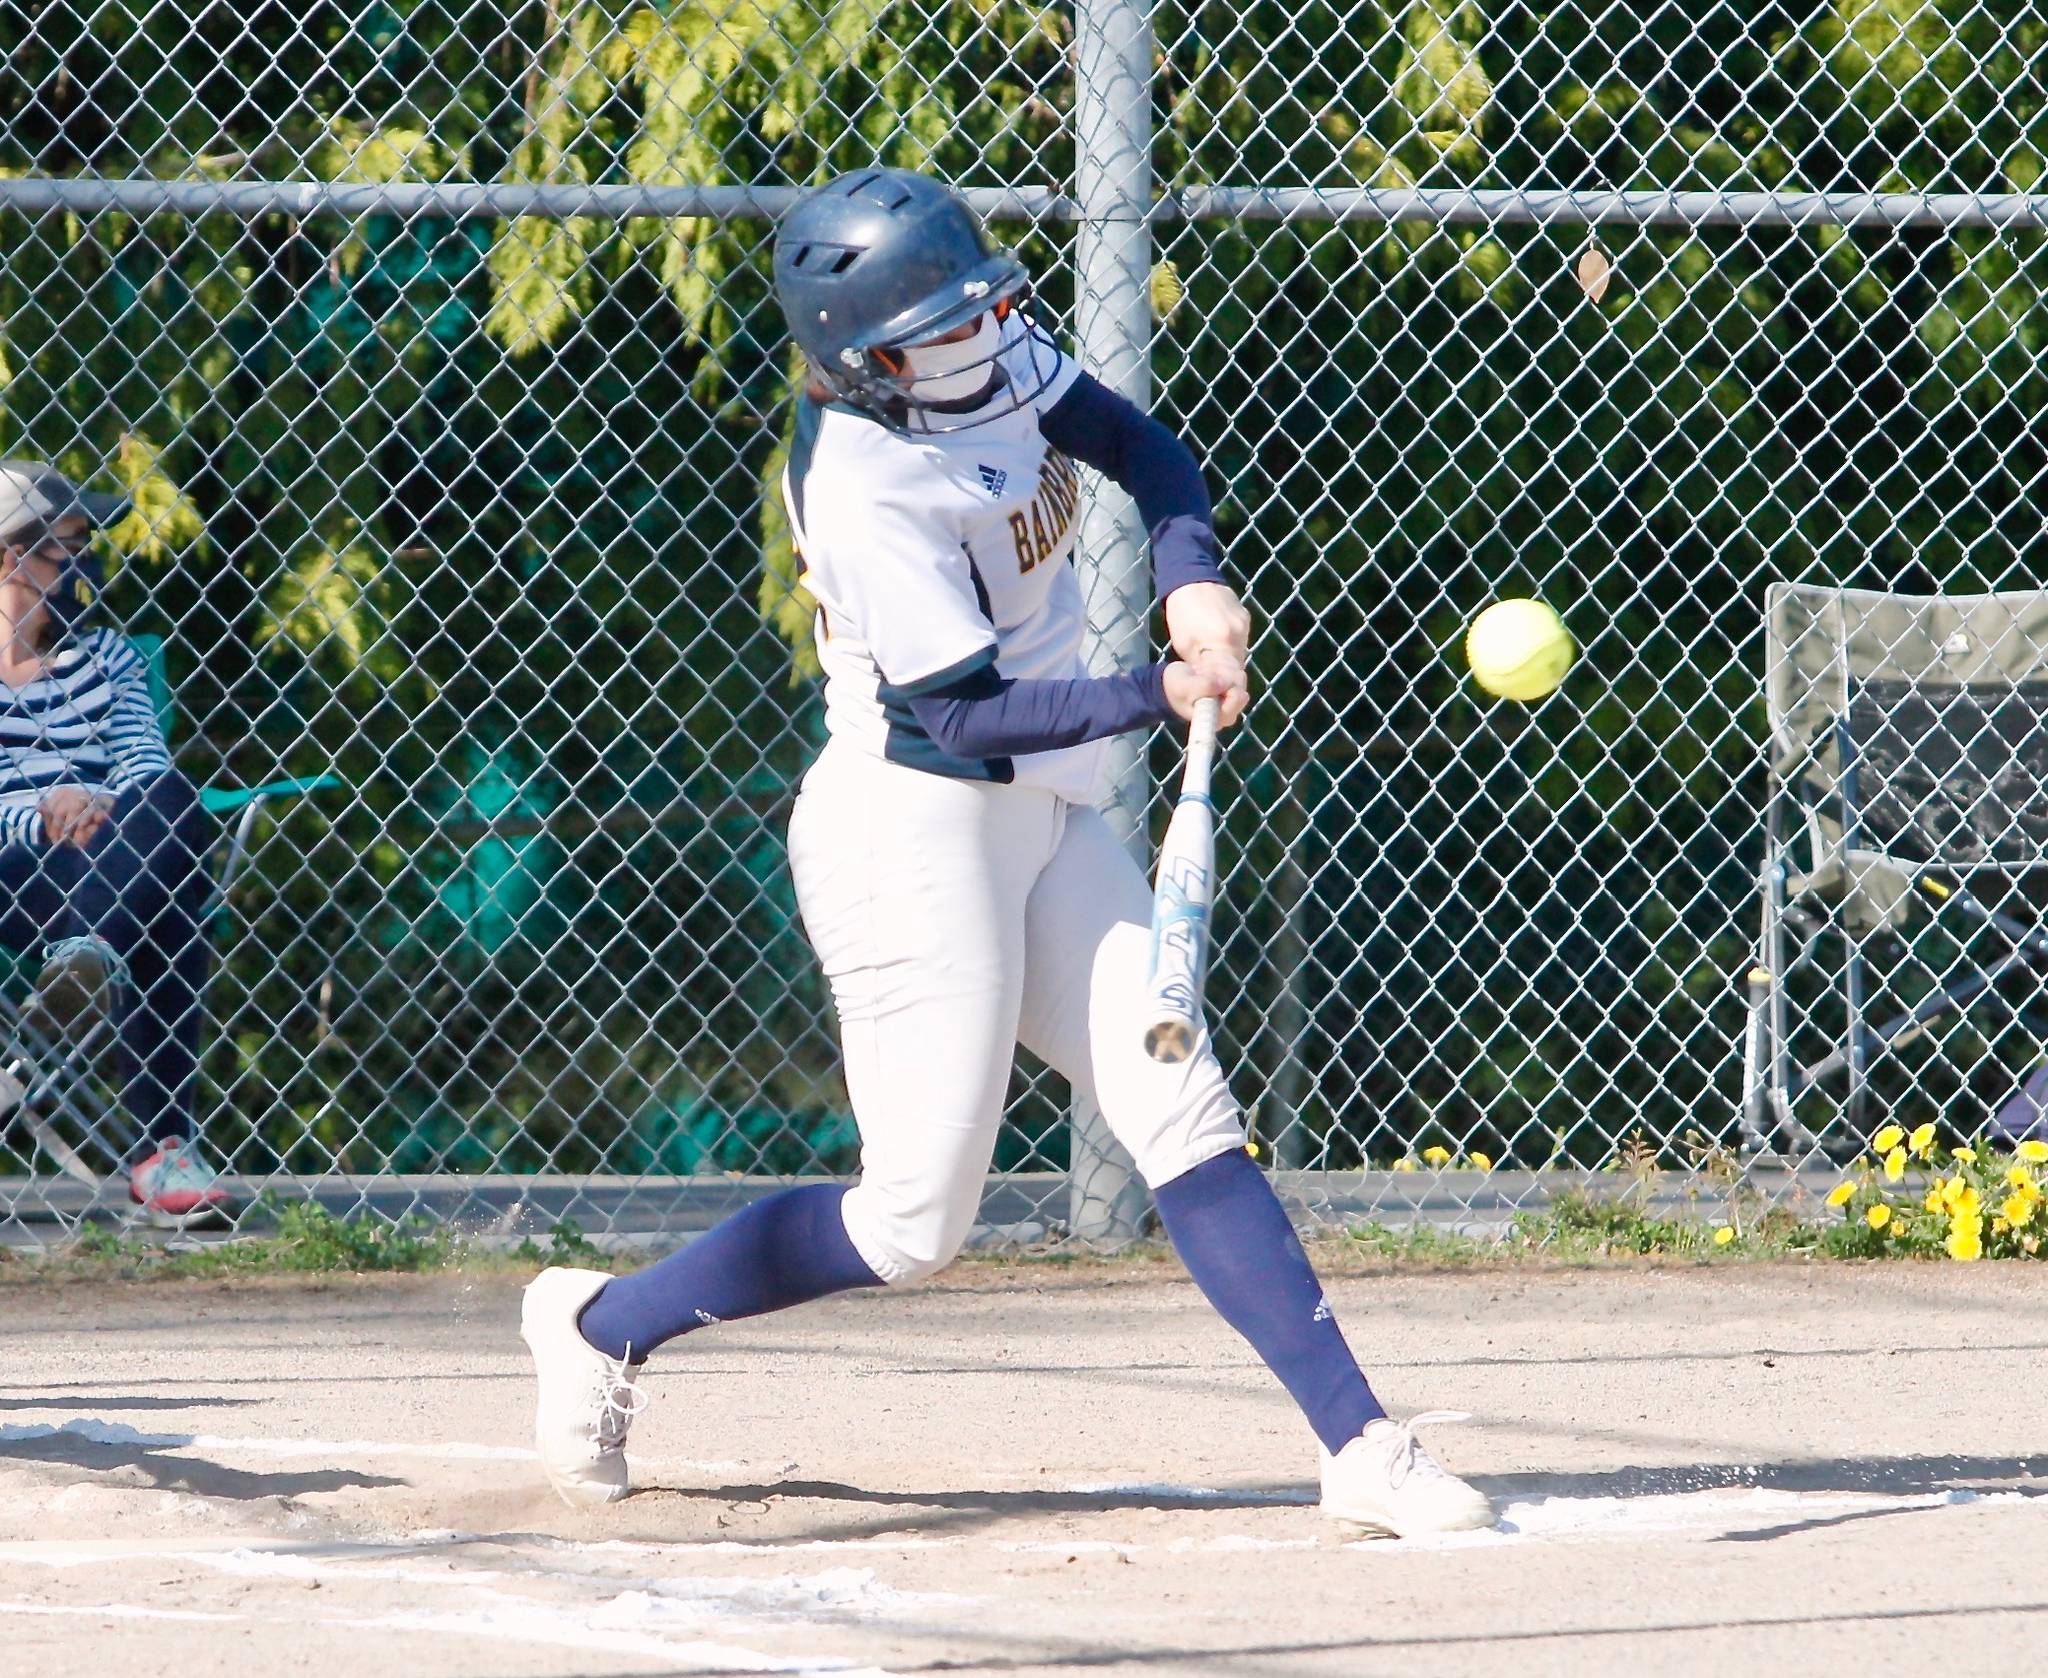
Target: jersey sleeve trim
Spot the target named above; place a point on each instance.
(901, 693)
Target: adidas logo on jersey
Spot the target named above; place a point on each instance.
(993, 478)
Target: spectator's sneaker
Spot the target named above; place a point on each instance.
(587, 1401)
(1385, 1481)
(175, 1187)
(78, 973)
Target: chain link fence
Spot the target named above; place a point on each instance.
(434, 342)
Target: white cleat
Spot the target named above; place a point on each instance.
(1385, 1481)
(587, 1400)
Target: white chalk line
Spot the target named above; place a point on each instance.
(1185, 1494)
(713, 1546)
(515, 1622)
(1677, 1514)
(845, 1592)
(119, 1611)
(666, 1616)
(1548, 1518)
(632, 1614)
(851, 1592)
(1559, 1518)
(97, 1432)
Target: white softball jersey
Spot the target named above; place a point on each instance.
(934, 555)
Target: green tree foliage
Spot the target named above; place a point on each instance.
(483, 515)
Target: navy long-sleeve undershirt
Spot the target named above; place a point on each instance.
(984, 715)
(1102, 429)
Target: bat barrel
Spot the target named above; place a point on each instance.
(1180, 905)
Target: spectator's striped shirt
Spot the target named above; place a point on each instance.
(89, 722)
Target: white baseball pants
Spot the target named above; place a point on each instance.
(954, 920)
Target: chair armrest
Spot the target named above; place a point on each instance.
(220, 800)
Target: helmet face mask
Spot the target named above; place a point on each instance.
(876, 265)
(956, 368)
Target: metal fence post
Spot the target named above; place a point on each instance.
(1106, 1202)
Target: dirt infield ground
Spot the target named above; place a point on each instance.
(1032, 1471)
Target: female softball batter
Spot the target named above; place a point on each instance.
(956, 879)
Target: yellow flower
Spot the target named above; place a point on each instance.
(1437, 1156)
(1841, 1194)
(1895, 1164)
(2034, 1153)
(2019, 1177)
(2018, 1208)
(1961, 1200)
(1964, 1156)
(1888, 1138)
(1921, 1140)
(1966, 1241)
(1934, 1202)
(1878, 1216)
(1480, 1160)
(1723, 1236)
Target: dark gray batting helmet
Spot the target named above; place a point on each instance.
(883, 258)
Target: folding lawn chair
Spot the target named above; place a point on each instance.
(1907, 799)
(54, 1095)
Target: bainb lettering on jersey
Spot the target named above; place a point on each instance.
(1040, 529)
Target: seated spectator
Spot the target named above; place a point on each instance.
(103, 845)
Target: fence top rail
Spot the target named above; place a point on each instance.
(91, 195)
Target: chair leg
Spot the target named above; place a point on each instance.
(1756, 1119)
(66, 1158)
(60, 1085)
(1767, 1108)
(14, 1107)
(238, 847)
(1857, 1039)
(42, 1090)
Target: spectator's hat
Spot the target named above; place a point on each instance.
(35, 496)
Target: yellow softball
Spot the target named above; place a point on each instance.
(1519, 649)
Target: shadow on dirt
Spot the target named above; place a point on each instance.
(1895, 1475)
(146, 1462)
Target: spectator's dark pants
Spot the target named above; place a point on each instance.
(143, 886)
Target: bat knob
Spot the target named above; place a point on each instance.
(1170, 1041)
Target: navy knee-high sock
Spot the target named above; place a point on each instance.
(778, 1252)
(1233, 1235)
